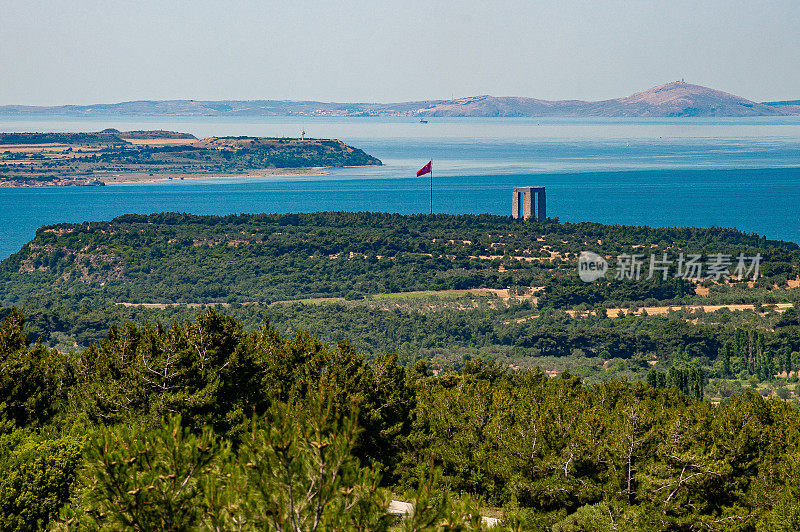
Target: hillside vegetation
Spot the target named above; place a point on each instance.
(178, 258)
(445, 289)
(299, 371)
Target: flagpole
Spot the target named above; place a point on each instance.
(431, 172)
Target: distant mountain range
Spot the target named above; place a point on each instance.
(676, 99)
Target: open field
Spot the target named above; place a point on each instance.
(396, 299)
(159, 142)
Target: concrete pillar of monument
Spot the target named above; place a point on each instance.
(542, 214)
(527, 204)
(515, 205)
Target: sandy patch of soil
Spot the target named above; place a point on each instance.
(660, 311)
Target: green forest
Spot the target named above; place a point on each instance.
(204, 425)
(300, 371)
(180, 258)
(411, 285)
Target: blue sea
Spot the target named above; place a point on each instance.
(735, 172)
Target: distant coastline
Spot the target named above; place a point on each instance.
(134, 178)
(138, 178)
(675, 99)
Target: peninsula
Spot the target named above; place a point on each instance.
(112, 156)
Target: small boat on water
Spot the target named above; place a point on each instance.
(423, 121)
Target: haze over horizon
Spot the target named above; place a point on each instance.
(91, 52)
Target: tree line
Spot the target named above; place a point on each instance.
(204, 424)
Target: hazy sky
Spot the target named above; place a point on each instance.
(57, 52)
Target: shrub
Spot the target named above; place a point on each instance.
(36, 477)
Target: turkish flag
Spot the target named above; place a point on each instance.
(425, 169)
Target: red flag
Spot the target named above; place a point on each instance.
(425, 169)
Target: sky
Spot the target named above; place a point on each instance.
(87, 51)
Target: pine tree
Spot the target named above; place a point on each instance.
(725, 356)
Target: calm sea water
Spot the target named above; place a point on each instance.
(742, 173)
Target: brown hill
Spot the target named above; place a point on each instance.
(671, 99)
(684, 99)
